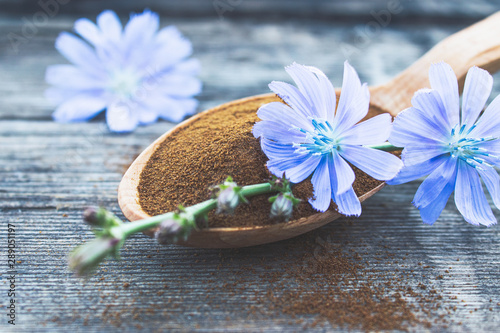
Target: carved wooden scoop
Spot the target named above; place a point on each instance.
(477, 45)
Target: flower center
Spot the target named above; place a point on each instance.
(124, 83)
(466, 148)
(319, 141)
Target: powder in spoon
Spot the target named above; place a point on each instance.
(209, 149)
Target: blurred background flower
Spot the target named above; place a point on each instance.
(136, 73)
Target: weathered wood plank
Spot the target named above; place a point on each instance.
(147, 268)
(454, 9)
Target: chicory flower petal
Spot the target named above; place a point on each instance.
(307, 136)
(136, 73)
(455, 150)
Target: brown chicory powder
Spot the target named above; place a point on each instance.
(337, 285)
(206, 151)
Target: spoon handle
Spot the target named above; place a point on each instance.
(477, 45)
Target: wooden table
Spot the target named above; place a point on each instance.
(49, 172)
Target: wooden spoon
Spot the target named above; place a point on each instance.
(477, 45)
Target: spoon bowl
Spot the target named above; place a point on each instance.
(477, 45)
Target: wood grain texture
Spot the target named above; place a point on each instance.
(320, 9)
(49, 172)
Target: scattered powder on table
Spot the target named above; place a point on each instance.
(341, 290)
(334, 277)
(205, 152)
(326, 280)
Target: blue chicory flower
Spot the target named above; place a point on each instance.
(306, 136)
(138, 74)
(455, 149)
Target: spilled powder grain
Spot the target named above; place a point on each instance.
(204, 153)
(340, 289)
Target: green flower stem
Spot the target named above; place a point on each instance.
(126, 230)
(385, 147)
(256, 189)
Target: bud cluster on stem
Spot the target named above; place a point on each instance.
(111, 232)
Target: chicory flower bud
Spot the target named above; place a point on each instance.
(227, 201)
(100, 217)
(177, 227)
(229, 196)
(168, 232)
(84, 259)
(282, 207)
(283, 204)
